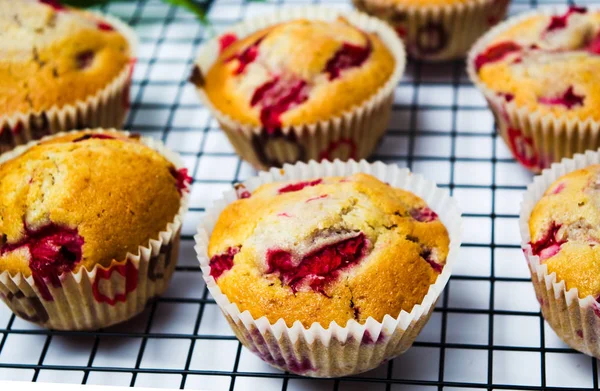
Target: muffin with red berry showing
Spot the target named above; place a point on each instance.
(60, 69)
(89, 227)
(329, 275)
(304, 84)
(539, 74)
(437, 30)
(559, 221)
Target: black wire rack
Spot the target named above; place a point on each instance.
(486, 332)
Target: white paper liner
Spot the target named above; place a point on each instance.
(75, 306)
(575, 320)
(361, 126)
(334, 350)
(107, 108)
(535, 139)
(438, 32)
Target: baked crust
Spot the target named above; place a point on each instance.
(82, 200)
(547, 64)
(298, 72)
(564, 227)
(391, 245)
(54, 56)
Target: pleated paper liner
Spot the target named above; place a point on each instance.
(103, 296)
(352, 135)
(334, 350)
(107, 108)
(535, 139)
(576, 320)
(438, 32)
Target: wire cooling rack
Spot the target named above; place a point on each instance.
(486, 332)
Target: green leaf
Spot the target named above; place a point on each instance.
(198, 9)
(191, 6)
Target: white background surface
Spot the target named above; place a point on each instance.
(487, 332)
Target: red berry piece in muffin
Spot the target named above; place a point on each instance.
(226, 40)
(560, 21)
(222, 262)
(348, 56)
(298, 186)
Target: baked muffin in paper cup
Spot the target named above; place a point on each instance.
(558, 223)
(352, 293)
(537, 72)
(437, 30)
(90, 227)
(301, 84)
(75, 74)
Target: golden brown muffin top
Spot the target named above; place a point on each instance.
(82, 200)
(547, 63)
(51, 55)
(328, 249)
(565, 230)
(297, 72)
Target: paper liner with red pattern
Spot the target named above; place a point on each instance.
(351, 135)
(107, 108)
(438, 32)
(333, 350)
(103, 296)
(535, 139)
(576, 320)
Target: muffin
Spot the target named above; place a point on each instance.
(60, 69)
(301, 85)
(539, 75)
(561, 240)
(90, 224)
(346, 259)
(434, 30)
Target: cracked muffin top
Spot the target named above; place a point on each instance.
(295, 73)
(52, 55)
(547, 63)
(565, 233)
(328, 249)
(83, 199)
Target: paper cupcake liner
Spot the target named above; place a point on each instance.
(333, 350)
(438, 32)
(576, 320)
(103, 296)
(351, 135)
(105, 109)
(535, 139)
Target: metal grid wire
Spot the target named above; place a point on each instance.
(486, 332)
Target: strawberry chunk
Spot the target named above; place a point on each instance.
(496, 53)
